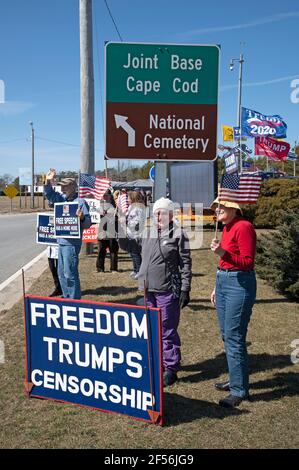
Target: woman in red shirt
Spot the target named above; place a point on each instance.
(234, 295)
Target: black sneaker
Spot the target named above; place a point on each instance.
(231, 401)
(222, 386)
(169, 378)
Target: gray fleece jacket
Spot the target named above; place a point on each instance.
(166, 261)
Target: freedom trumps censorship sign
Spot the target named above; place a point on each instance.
(100, 355)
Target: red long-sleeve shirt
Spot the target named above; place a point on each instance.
(239, 242)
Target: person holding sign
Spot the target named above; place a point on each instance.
(165, 273)
(234, 295)
(69, 248)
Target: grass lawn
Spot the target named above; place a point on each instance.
(193, 418)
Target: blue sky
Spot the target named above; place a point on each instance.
(39, 64)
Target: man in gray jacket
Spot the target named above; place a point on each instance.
(166, 274)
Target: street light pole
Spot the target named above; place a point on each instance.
(239, 108)
(32, 166)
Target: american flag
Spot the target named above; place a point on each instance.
(93, 185)
(123, 203)
(243, 188)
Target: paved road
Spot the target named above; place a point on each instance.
(17, 243)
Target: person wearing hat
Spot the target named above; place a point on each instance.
(68, 248)
(234, 295)
(165, 273)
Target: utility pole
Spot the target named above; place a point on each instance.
(32, 166)
(87, 93)
(295, 146)
(87, 88)
(239, 108)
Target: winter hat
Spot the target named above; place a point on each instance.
(163, 203)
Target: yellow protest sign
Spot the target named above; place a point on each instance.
(11, 191)
(228, 133)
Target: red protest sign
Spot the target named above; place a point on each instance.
(90, 235)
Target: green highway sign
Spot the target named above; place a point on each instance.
(161, 101)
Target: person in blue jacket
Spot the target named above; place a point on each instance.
(69, 248)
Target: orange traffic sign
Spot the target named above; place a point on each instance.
(11, 191)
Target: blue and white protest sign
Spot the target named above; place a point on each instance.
(255, 124)
(66, 222)
(231, 161)
(45, 233)
(100, 355)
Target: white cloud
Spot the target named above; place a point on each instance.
(12, 108)
(250, 24)
(265, 82)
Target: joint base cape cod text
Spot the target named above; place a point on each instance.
(171, 122)
(103, 348)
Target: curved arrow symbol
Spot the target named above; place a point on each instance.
(121, 121)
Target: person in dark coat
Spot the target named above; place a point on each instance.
(165, 272)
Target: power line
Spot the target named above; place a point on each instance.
(111, 16)
(58, 142)
(13, 140)
(61, 142)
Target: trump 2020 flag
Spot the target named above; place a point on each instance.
(243, 188)
(92, 185)
(255, 124)
(274, 149)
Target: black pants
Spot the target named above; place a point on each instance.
(53, 265)
(112, 245)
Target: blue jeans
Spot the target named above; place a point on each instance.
(68, 261)
(135, 252)
(235, 296)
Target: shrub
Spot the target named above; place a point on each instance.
(277, 197)
(277, 259)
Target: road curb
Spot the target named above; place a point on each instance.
(11, 290)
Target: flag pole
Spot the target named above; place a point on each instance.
(218, 206)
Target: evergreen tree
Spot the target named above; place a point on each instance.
(277, 259)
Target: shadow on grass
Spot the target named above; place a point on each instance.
(179, 409)
(285, 384)
(109, 290)
(198, 308)
(273, 301)
(213, 368)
